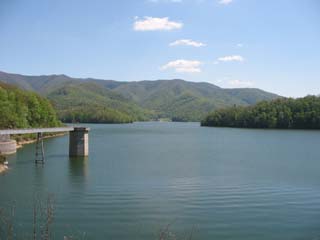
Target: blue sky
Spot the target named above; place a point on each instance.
(272, 44)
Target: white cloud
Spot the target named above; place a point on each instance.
(238, 83)
(225, 2)
(183, 66)
(187, 42)
(155, 24)
(239, 45)
(231, 58)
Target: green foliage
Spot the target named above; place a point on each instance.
(180, 100)
(88, 102)
(21, 109)
(94, 114)
(284, 113)
(112, 101)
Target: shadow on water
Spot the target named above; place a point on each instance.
(39, 175)
(78, 166)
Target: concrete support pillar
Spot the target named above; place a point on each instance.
(79, 142)
(7, 146)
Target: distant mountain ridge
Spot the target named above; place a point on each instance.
(175, 99)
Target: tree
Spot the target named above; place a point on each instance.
(301, 113)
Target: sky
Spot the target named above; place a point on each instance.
(273, 45)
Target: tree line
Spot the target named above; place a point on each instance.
(282, 113)
(23, 109)
(94, 114)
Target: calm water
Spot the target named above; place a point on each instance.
(224, 183)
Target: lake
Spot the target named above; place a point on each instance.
(213, 183)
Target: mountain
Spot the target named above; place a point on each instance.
(175, 99)
(88, 102)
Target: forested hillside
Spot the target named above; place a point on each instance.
(94, 100)
(285, 113)
(88, 102)
(23, 109)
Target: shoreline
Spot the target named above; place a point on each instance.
(20, 144)
(3, 168)
(29, 141)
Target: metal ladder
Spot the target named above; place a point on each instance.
(39, 149)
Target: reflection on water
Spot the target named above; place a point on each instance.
(78, 167)
(231, 184)
(39, 173)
